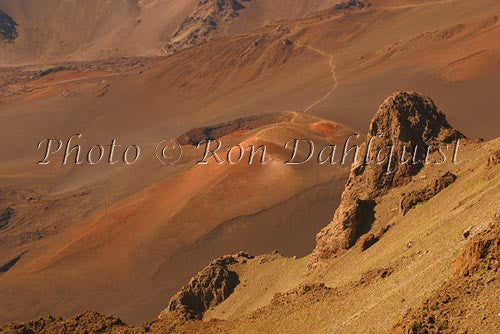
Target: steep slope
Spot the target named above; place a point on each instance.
(467, 302)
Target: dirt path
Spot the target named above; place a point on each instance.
(332, 60)
(420, 4)
(334, 76)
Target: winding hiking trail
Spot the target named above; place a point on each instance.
(334, 76)
(332, 60)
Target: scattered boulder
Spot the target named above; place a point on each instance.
(207, 289)
(375, 274)
(467, 233)
(492, 163)
(410, 200)
(368, 240)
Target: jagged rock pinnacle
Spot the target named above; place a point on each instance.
(407, 119)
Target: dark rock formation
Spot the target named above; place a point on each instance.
(351, 4)
(60, 68)
(353, 215)
(5, 216)
(198, 135)
(207, 289)
(407, 122)
(413, 198)
(8, 28)
(11, 263)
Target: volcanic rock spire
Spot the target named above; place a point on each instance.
(405, 119)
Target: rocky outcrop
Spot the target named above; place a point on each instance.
(209, 18)
(403, 127)
(482, 251)
(89, 322)
(410, 120)
(8, 28)
(410, 200)
(492, 165)
(207, 289)
(461, 304)
(351, 217)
